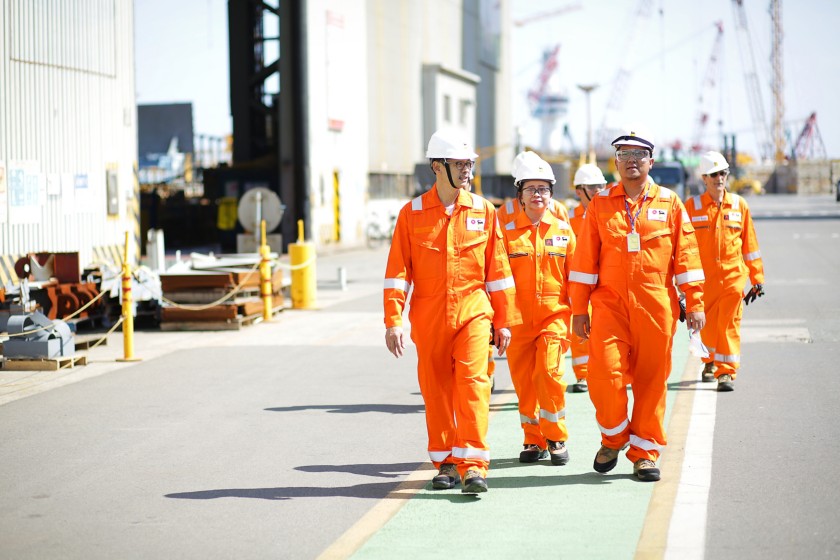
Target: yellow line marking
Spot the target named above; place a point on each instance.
(654, 538)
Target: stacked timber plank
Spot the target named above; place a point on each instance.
(189, 295)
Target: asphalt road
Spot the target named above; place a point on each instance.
(304, 437)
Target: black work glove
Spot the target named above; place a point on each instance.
(682, 308)
(755, 292)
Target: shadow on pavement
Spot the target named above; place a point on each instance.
(393, 470)
(373, 490)
(354, 408)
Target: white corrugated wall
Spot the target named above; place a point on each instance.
(67, 119)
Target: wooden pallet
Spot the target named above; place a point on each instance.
(234, 324)
(86, 342)
(43, 364)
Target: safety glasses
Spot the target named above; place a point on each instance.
(722, 173)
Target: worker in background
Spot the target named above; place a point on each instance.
(448, 246)
(588, 181)
(729, 252)
(636, 243)
(539, 247)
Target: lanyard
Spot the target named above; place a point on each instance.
(630, 216)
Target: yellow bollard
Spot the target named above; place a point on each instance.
(266, 288)
(302, 258)
(128, 317)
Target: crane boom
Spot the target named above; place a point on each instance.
(753, 89)
(709, 81)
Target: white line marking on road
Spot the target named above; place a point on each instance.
(687, 530)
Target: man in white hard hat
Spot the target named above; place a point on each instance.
(636, 244)
(730, 255)
(588, 181)
(447, 246)
(539, 247)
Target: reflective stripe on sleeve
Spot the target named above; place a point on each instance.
(439, 456)
(528, 420)
(645, 444)
(614, 431)
(471, 453)
(553, 416)
(695, 275)
(499, 285)
(580, 360)
(397, 284)
(752, 256)
(583, 278)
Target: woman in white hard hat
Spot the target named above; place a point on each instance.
(730, 255)
(447, 245)
(539, 246)
(588, 181)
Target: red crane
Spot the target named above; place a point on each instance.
(809, 143)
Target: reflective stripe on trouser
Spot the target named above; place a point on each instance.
(630, 346)
(723, 307)
(536, 369)
(452, 372)
(580, 356)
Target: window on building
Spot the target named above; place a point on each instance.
(447, 109)
(464, 111)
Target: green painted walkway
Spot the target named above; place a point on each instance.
(536, 510)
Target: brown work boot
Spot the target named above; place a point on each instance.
(446, 478)
(474, 483)
(580, 386)
(531, 453)
(725, 383)
(708, 375)
(646, 470)
(606, 459)
(559, 453)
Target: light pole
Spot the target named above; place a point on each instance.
(590, 153)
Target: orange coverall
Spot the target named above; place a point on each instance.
(580, 347)
(634, 308)
(729, 252)
(461, 282)
(539, 258)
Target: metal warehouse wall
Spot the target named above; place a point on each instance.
(68, 134)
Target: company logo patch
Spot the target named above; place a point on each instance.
(475, 224)
(557, 241)
(657, 214)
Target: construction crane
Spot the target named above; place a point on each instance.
(622, 78)
(545, 105)
(710, 79)
(809, 143)
(778, 83)
(745, 50)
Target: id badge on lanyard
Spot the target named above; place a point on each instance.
(634, 242)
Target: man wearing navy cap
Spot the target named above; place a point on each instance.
(635, 245)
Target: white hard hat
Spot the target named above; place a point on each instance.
(633, 137)
(589, 174)
(528, 165)
(450, 144)
(711, 162)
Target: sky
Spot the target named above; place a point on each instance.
(181, 56)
